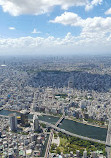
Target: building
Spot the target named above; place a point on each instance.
(85, 154)
(24, 118)
(35, 123)
(94, 154)
(13, 122)
(77, 153)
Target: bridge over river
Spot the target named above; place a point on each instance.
(72, 134)
(55, 127)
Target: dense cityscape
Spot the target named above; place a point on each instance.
(55, 78)
(38, 95)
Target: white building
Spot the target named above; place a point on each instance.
(35, 123)
(13, 122)
(85, 154)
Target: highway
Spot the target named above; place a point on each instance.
(72, 134)
(55, 127)
(108, 140)
(107, 143)
(49, 144)
(51, 136)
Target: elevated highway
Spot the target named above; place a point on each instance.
(75, 135)
(51, 136)
(108, 140)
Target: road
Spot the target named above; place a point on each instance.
(72, 134)
(108, 140)
(51, 136)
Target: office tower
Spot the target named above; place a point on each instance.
(24, 118)
(85, 154)
(13, 122)
(35, 123)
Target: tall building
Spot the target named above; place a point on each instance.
(13, 122)
(85, 154)
(24, 118)
(35, 123)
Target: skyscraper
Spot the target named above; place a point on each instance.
(35, 123)
(24, 118)
(13, 122)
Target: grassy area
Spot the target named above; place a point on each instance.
(68, 144)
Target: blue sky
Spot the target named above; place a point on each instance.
(55, 27)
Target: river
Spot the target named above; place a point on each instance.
(71, 126)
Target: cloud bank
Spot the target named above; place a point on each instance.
(36, 7)
(84, 43)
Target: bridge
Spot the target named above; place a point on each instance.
(108, 140)
(55, 127)
(60, 120)
(51, 136)
(74, 135)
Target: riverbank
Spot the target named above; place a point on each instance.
(12, 110)
(68, 124)
(68, 118)
(85, 123)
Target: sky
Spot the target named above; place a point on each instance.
(55, 27)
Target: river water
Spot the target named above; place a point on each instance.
(71, 126)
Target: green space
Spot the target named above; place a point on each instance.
(97, 122)
(69, 143)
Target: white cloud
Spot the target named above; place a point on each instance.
(84, 43)
(93, 3)
(11, 28)
(68, 18)
(108, 12)
(36, 7)
(88, 25)
(35, 31)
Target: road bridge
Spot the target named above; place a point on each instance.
(59, 121)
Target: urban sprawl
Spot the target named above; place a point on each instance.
(68, 88)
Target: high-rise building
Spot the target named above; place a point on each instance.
(13, 122)
(85, 154)
(24, 118)
(35, 123)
